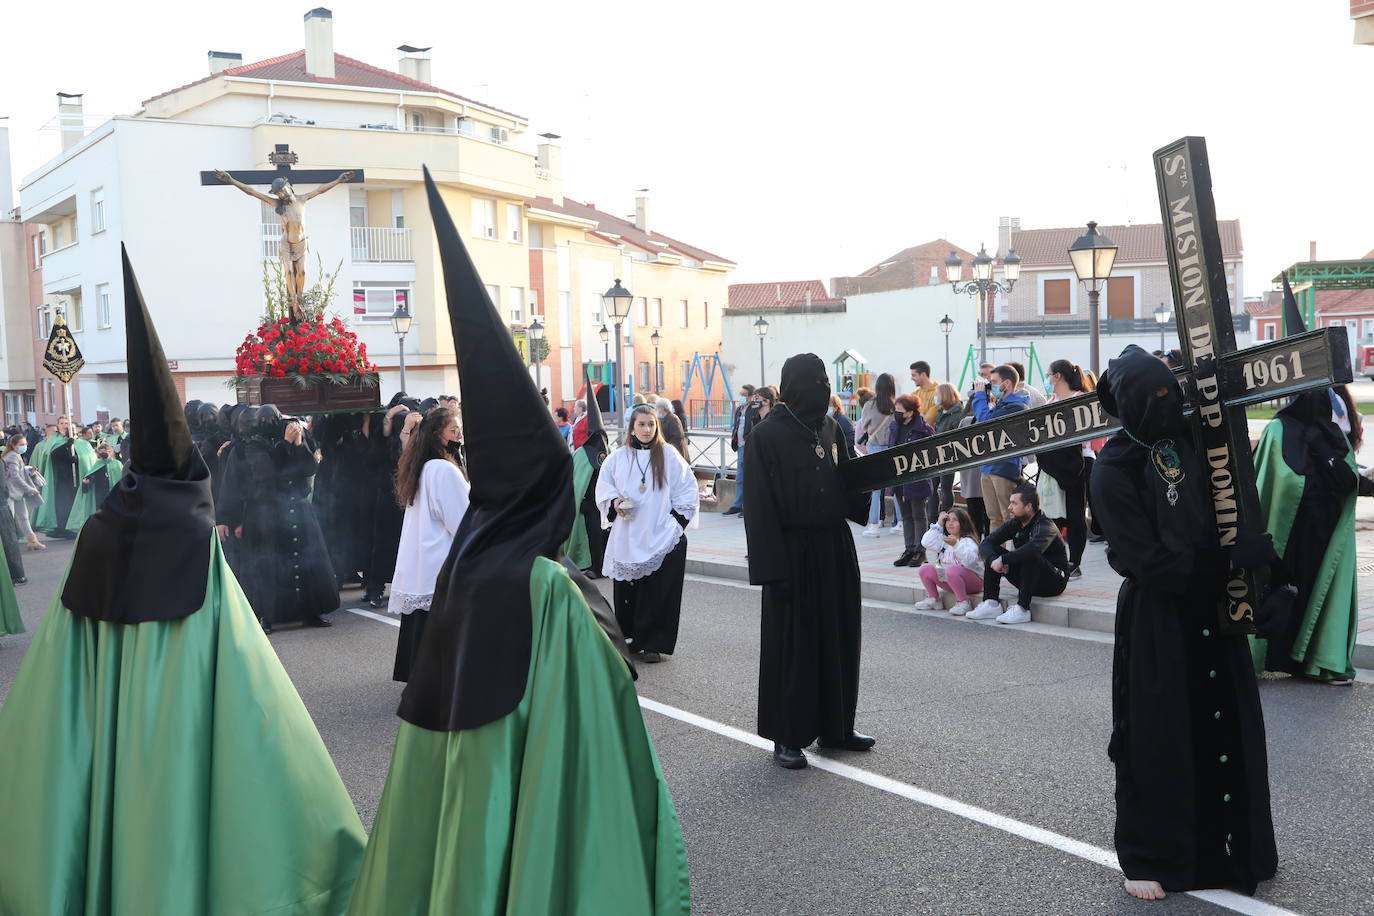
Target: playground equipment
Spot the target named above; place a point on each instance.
(1027, 354)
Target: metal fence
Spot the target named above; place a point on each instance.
(709, 414)
(708, 450)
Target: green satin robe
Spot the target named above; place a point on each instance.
(576, 547)
(39, 462)
(558, 808)
(168, 768)
(86, 503)
(1325, 642)
(10, 621)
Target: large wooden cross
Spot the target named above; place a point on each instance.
(282, 159)
(1218, 380)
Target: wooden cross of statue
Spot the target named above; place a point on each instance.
(1218, 380)
(290, 208)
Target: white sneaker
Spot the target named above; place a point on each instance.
(986, 611)
(871, 531)
(927, 604)
(960, 609)
(1015, 614)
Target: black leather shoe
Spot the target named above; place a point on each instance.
(266, 626)
(651, 658)
(21, 580)
(317, 621)
(905, 559)
(855, 742)
(374, 602)
(789, 758)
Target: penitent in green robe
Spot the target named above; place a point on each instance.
(576, 547)
(10, 621)
(557, 808)
(87, 500)
(1325, 641)
(168, 768)
(46, 518)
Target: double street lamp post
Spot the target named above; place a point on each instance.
(616, 303)
(1092, 256)
(761, 329)
(400, 323)
(982, 284)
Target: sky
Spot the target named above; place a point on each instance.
(807, 140)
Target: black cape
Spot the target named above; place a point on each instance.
(1192, 787)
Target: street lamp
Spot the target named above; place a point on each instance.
(605, 335)
(982, 284)
(400, 323)
(947, 325)
(1092, 256)
(533, 334)
(1162, 316)
(656, 339)
(616, 303)
(761, 329)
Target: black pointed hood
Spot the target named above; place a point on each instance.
(596, 445)
(474, 661)
(805, 388)
(1292, 316)
(144, 555)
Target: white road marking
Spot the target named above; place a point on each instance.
(1237, 903)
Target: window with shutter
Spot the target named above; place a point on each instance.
(1056, 293)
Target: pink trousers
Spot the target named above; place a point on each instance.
(960, 579)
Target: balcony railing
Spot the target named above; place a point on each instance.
(380, 244)
(367, 244)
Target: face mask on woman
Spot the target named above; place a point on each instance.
(23, 448)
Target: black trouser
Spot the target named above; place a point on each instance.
(941, 496)
(1035, 577)
(977, 514)
(913, 521)
(1075, 511)
(1094, 526)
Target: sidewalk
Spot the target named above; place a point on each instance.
(717, 549)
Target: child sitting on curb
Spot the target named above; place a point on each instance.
(953, 541)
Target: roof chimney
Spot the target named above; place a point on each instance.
(642, 210)
(69, 119)
(6, 189)
(549, 157)
(1312, 251)
(414, 63)
(319, 43)
(223, 60)
(1006, 227)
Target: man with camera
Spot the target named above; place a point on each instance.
(993, 399)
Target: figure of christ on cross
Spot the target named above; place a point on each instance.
(290, 208)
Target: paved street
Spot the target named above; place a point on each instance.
(1012, 722)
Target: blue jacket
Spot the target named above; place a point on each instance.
(1010, 404)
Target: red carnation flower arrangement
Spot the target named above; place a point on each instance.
(314, 349)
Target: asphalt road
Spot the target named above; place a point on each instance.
(1011, 721)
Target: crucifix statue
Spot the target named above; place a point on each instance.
(1218, 380)
(290, 209)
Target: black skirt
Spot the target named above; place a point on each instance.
(648, 609)
(408, 644)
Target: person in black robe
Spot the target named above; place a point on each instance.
(287, 571)
(63, 465)
(230, 494)
(801, 551)
(343, 494)
(383, 432)
(1192, 784)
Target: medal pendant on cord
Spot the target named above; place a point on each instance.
(1169, 467)
(820, 451)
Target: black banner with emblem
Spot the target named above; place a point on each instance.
(62, 357)
(1271, 370)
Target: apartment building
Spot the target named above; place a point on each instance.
(201, 250)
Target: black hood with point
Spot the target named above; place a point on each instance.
(145, 553)
(1130, 391)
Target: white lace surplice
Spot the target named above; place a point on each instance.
(427, 535)
(636, 547)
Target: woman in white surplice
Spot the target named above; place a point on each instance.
(434, 493)
(647, 495)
